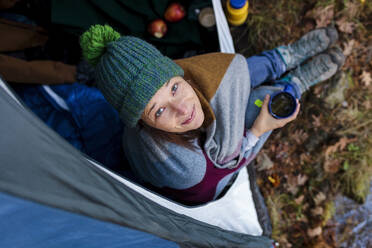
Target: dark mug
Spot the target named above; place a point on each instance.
(283, 103)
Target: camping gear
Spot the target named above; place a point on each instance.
(133, 18)
(237, 11)
(283, 104)
(81, 115)
(207, 19)
(37, 165)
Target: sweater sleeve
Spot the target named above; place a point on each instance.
(252, 145)
(251, 140)
(163, 164)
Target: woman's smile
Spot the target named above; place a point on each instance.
(191, 117)
(169, 109)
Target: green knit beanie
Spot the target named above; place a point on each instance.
(128, 70)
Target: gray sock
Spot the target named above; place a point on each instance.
(310, 44)
(318, 69)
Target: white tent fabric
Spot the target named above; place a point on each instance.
(224, 35)
(234, 212)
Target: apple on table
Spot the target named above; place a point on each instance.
(174, 12)
(157, 28)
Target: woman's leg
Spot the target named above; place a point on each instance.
(265, 67)
(310, 44)
(320, 68)
(270, 65)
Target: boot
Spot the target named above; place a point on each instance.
(320, 68)
(310, 44)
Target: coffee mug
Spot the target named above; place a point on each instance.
(283, 103)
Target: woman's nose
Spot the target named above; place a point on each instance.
(179, 106)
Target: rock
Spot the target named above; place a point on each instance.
(335, 92)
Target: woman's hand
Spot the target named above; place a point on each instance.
(266, 122)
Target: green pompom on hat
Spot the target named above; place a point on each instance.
(128, 70)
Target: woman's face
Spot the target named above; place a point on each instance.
(174, 108)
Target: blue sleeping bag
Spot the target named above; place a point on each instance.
(82, 116)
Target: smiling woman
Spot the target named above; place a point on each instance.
(214, 104)
(174, 108)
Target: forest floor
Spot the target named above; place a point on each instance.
(327, 150)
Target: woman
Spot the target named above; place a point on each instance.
(192, 124)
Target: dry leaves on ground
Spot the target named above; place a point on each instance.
(314, 232)
(274, 180)
(345, 26)
(299, 199)
(351, 9)
(294, 182)
(348, 47)
(367, 104)
(299, 136)
(332, 165)
(316, 120)
(366, 78)
(338, 146)
(319, 198)
(322, 15)
(317, 211)
(264, 162)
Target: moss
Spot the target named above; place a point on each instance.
(356, 180)
(275, 216)
(329, 211)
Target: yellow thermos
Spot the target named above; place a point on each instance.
(237, 11)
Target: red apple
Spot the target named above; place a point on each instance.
(157, 28)
(174, 13)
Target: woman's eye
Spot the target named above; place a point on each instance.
(159, 112)
(174, 88)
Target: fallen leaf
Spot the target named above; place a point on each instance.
(322, 244)
(264, 162)
(338, 146)
(316, 120)
(345, 26)
(352, 9)
(304, 158)
(367, 104)
(366, 78)
(301, 179)
(317, 211)
(299, 136)
(318, 89)
(348, 47)
(299, 199)
(314, 232)
(274, 180)
(292, 184)
(332, 166)
(319, 198)
(322, 15)
(331, 149)
(272, 148)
